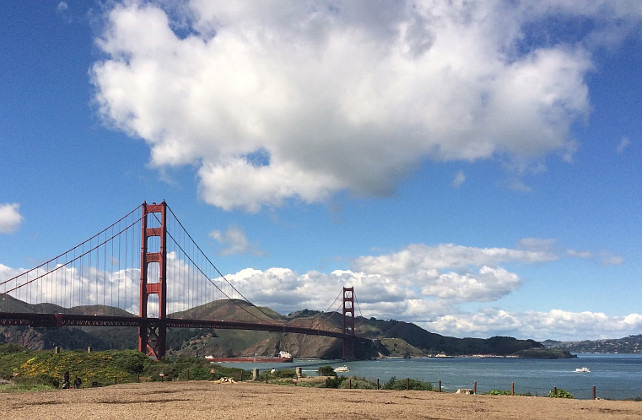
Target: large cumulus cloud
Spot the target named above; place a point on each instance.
(302, 99)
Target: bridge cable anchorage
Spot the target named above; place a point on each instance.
(270, 319)
(48, 272)
(77, 246)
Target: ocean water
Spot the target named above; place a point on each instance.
(615, 376)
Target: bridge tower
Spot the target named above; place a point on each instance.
(348, 322)
(152, 332)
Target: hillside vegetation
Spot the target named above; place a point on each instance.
(21, 368)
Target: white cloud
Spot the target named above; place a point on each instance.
(417, 283)
(488, 285)
(624, 143)
(607, 258)
(341, 96)
(579, 254)
(555, 324)
(416, 258)
(235, 242)
(10, 217)
(458, 179)
(284, 290)
(62, 9)
(7, 272)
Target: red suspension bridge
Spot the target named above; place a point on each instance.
(144, 270)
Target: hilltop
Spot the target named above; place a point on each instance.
(391, 338)
(630, 344)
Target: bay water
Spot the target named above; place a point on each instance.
(615, 376)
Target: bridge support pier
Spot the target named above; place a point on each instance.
(152, 331)
(348, 322)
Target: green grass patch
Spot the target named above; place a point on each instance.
(402, 384)
(8, 388)
(504, 392)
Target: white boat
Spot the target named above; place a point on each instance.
(343, 368)
(582, 370)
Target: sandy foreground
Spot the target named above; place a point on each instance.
(203, 399)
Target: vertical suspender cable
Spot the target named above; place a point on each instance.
(90, 275)
(97, 275)
(111, 241)
(74, 273)
(127, 271)
(64, 275)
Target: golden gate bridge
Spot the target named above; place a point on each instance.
(145, 270)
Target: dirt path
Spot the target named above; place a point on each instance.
(201, 399)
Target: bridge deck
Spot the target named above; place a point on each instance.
(61, 320)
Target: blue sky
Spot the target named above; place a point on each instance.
(474, 169)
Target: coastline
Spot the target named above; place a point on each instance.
(201, 399)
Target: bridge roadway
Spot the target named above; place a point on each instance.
(61, 320)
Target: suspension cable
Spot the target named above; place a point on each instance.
(74, 248)
(327, 314)
(358, 306)
(68, 262)
(215, 268)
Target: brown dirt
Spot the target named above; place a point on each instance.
(202, 399)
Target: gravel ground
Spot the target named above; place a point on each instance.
(202, 399)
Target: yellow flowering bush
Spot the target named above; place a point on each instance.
(99, 367)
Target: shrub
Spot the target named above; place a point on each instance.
(130, 361)
(9, 348)
(497, 392)
(176, 368)
(561, 393)
(9, 363)
(326, 371)
(401, 384)
(390, 383)
(357, 383)
(284, 373)
(196, 373)
(281, 376)
(335, 381)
